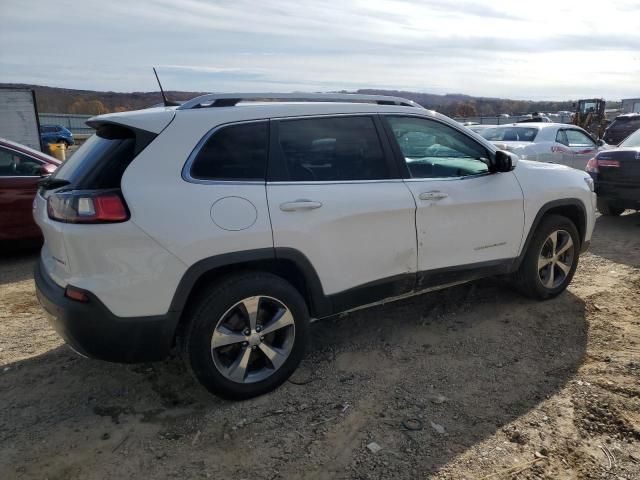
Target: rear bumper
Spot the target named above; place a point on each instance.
(92, 330)
(619, 195)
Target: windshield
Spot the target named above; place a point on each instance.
(632, 140)
(510, 134)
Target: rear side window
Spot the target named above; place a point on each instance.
(235, 152)
(104, 157)
(510, 134)
(332, 149)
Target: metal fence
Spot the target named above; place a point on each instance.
(511, 119)
(75, 123)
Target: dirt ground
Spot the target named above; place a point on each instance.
(473, 382)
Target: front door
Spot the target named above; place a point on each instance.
(467, 219)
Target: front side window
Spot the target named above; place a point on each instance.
(235, 152)
(15, 165)
(576, 138)
(435, 150)
(332, 149)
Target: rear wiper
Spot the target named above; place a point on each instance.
(51, 183)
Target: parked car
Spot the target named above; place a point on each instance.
(545, 142)
(56, 134)
(616, 174)
(21, 168)
(621, 127)
(222, 226)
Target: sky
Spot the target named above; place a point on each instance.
(543, 49)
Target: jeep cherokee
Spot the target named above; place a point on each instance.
(222, 226)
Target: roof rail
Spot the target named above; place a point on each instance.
(231, 99)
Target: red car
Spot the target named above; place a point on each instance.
(21, 168)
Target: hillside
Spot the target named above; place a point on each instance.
(64, 100)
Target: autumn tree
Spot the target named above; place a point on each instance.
(465, 110)
(88, 107)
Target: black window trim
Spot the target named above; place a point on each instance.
(401, 161)
(277, 172)
(186, 169)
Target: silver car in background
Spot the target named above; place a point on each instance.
(545, 142)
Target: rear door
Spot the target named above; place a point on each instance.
(19, 175)
(335, 195)
(467, 220)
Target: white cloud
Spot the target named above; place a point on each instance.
(543, 49)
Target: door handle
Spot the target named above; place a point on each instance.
(301, 204)
(435, 195)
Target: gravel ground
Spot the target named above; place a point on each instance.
(473, 382)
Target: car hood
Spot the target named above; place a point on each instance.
(535, 165)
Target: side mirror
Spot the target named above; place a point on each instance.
(501, 162)
(600, 143)
(43, 171)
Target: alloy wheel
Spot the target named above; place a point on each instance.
(253, 339)
(556, 259)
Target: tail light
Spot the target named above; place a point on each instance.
(96, 206)
(609, 163)
(592, 166)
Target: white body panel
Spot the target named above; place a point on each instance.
(364, 231)
(559, 183)
(479, 219)
(124, 267)
(177, 213)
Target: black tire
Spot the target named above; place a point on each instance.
(214, 305)
(608, 210)
(527, 278)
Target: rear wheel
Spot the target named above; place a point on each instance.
(608, 210)
(247, 335)
(551, 259)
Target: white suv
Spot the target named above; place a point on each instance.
(222, 226)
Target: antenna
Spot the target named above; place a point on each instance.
(166, 102)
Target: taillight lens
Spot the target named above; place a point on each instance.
(609, 163)
(96, 206)
(592, 166)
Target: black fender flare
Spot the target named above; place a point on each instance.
(565, 202)
(319, 304)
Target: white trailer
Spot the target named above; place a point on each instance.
(631, 105)
(19, 117)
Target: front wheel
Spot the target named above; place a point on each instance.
(247, 335)
(551, 259)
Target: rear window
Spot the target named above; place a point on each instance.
(510, 134)
(103, 158)
(632, 141)
(626, 122)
